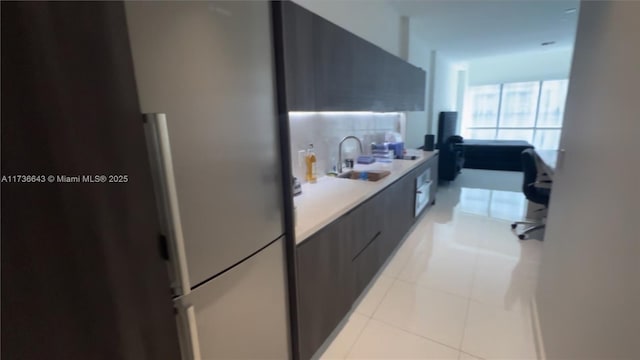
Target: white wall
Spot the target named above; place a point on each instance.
(442, 90)
(372, 20)
(543, 65)
(445, 89)
(417, 121)
(588, 295)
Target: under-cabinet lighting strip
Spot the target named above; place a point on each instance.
(340, 113)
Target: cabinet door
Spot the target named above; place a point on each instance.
(412, 81)
(330, 69)
(324, 294)
(391, 88)
(433, 163)
(299, 56)
(367, 228)
(335, 68)
(368, 79)
(366, 264)
(400, 200)
(364, 223)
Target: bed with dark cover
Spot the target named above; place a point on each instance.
(493, 154)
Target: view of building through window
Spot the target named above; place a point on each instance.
(530, 111)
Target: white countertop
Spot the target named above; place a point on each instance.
(330, 197)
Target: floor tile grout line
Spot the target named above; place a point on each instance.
(351, 312)
(432, 288)
(470, 354)
(414, 334)
(370, 317)
(383, 297)
(490, 304)
(488, 217)
(415, 228)
(466, 315)
(357, 337)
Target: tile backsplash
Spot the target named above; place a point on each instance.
(325, 130)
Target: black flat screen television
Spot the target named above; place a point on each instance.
(447, 124)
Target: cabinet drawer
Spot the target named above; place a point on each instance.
(365, 221)
(367, 263)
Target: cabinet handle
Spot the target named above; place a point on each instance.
(193, 333)
(418, 191)
(188, 331)
(157, 136)
(366, 246)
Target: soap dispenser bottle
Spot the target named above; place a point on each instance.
(310, 161)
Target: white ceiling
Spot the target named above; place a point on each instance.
(467, 29)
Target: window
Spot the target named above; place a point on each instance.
(530, 111)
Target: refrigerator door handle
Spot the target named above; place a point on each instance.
(189, 341)
(193, 333)
(157, 135)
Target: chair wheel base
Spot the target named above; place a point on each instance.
(513, 226)
(522, 236)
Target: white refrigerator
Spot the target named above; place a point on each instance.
(205, 78)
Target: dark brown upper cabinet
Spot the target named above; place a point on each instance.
(327, 68)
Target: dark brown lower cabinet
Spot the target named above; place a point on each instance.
(399, 200)
(337, 263)
(366, 265)
(365, 222)
(366, 227)
(324, 289)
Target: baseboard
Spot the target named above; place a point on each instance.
(537, 332)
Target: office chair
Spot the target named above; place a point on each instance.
(531, 187)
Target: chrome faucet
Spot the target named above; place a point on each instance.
(340, 150)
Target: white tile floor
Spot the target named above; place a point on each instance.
(459, 286)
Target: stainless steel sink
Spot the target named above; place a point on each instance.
(346, 175)
(371, 175)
